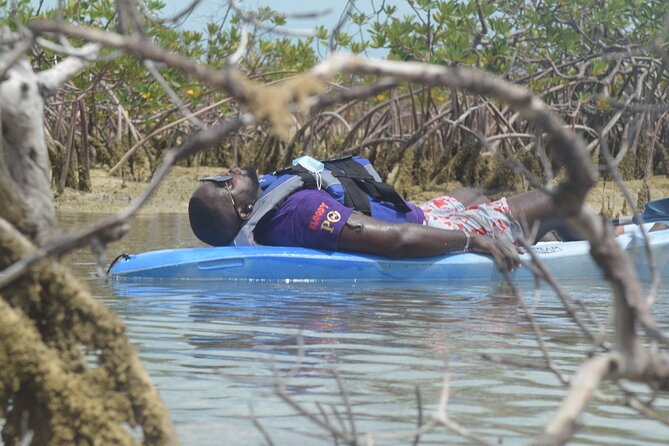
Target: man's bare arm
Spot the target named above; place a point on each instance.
(369, 235)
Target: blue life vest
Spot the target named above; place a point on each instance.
(352, 181)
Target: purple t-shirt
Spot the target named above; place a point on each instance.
(312, 219)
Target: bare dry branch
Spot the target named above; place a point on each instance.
(52, 80)
(586, 381)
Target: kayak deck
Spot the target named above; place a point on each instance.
(566, 260)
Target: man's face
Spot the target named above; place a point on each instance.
(244, 185)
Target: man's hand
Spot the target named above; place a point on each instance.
(504, 253)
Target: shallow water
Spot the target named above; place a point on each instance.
(216, 351)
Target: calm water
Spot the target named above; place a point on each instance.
(215, 351)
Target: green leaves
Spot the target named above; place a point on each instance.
(563, 46)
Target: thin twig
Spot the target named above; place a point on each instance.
(182, 107)
(347, 403)
(259, 426)
(419, 421)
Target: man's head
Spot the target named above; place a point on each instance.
(221, 204)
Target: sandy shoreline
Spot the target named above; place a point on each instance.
(112, 194)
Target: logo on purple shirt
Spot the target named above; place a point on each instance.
(331, 217)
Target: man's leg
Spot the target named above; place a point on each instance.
(526, 208)
(468, 196)
(536, 207)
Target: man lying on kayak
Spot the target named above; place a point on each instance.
(343, 205)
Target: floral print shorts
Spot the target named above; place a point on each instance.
(491, 219)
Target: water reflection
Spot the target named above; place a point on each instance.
(214, 349)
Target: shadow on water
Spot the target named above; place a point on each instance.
(215, 349)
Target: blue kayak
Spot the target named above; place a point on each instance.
(567, 260)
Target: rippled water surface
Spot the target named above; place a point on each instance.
(217, 351)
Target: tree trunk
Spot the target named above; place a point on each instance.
(26, 186)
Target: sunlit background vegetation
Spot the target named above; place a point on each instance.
(592, 60)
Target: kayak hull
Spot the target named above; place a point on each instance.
(566, 260)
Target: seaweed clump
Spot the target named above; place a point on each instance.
(70, 375)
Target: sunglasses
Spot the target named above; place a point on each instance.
(220, 180)
(224, 181)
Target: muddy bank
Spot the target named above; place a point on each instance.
(111, 194)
